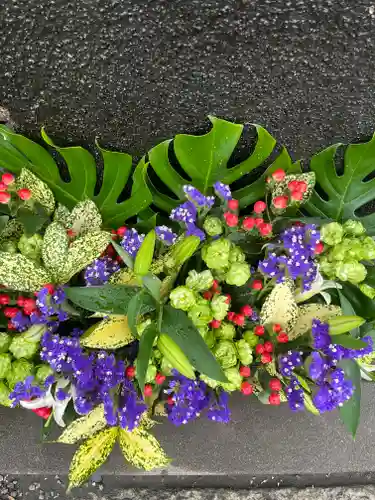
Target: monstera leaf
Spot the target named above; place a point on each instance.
(204, 159)
(341, 196)
(17, 152)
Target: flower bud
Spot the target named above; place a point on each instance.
(201, 313)
(9, 246)
(5, 364)
(182, 298)
(151, 373)
(367, 290)
(21, 347)
(237, 274)
(367, 248)
(354, 227)
(219, 306)
(332, 233)
(20, 369)
(251, 338)
(31, 246)
(236, 255)
(213, 226)
(216, 253)
(351, 271)
(199, 281)
(226, 331)
(42, 373)
(234, 379)
(225, 353)
(5, 341)
(244, 352)
(327, 268)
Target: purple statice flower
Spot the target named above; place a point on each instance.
(288, 361)
(223, 191)
(219, 410)
(49, 307)
(358, 353)
(21, 322)
(193, 230)
(131, 408)
(320, 333)
(166, 235)
(295, 395)
(254, 316)
(132, 241)
(334, 392)
(318, 366)
(186, 212)
(61, 395)
(25, 391)
(100, 270)
(194, 195)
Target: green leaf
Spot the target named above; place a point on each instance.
(370, 277)
(303, 382)
(356, 302)
(22, 274)
(309, 405)
(145, 254)
(32, 221)
(180, 328)
(141, 449)
(344, 324)
(41, 193)
(111, 333)
(85, 217)
(91, 455)
(134, 310)
(153, 285)
(83, 427)
(350, 411)
(110, 299)
(127, 259)
(146, 343)
(349, 342)
(348, 192)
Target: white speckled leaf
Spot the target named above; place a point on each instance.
(83, 427)
(22, 274)
(142, 449)
(280, 307)
(39, 189)
(62, 215)
(307, 312)
(85, 217)
(55, 250)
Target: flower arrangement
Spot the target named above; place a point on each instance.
(254, 276)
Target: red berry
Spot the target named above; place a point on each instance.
(296, 196)
(233, 204)
(245, 371)
(231, 219)
(20, 301)
(266, 358)
(275, 384)
(10, 325)
(247, 310)
(148, 390)
(24, 194)
(130, 372)
(121, 230)
(274, 399)
(282, 338)
(50, 288)
(259, 348)
(215, 285)
(293, 185)
(276, 328)
(7, 178)
(159, 378)
(4, 299)
(29, 303)
(10, 312)
(71, 233)
(228, 299)
(207, 295)
(268, 346)
(279, 175)
(170, 400)
(43, 412)
(258, 221)
(259, 330)
(265, 228)
(231, 315)
(3, 187)
(215, 323)
(302, 187)
(280, 202)
(257, 285)
(248, 223)
(319, 247)
(259, 207)
(239, 319)
(246, 388)
(4, 197)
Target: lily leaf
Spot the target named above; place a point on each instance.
(350, 411)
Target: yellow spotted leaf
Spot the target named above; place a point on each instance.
(85, 217)
(41, 193)
(111, 333)
(280, 307)
(308, 312)
(55, 249)
(22, 274)
(142, 449)
(83, 427)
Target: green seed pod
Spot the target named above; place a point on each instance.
(351, 271)
(199, 281)
(220, 306)
(216, 254)
(182, 298)
(5, 364)
(226, 354)
(31, 246)
(245, 354)
(354, 227)
(251, 338)
(213, 226)
(42, 373)
(145, 254)
(332, 233)
(5, 340)
(4, 394)
(201, 313)
(23, 348)
(234, 379)
(20, 369)
(175, 355)
(184, 249)
(238, 274)
(236, 255)
(226, 331)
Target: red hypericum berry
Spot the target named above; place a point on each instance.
(302, 187)
(10, 325)
(24, 194)
(275, 384)
(319, 247)
(228, 299)
(231, 315)
(50, 288)
(258, 221)
(215, 285)
(259, 207)
(248, 223)
(231, 219)
(148, 390)
(159, 378)
(121, 230)
(280, 202)
(20, 301)
(10, 312)
(274, 399)
(268, 346)
(207, 295)
(257, 285)
(259, 330)
(233, 204)
(28, 303)
(130, 372)
(278, 175)
(170, 400)
(3, 187)
(239, 319)
(259, 349)
(296, 196)
(4, 197)
(246, 388)
(215, 323)
(7, 178)
(245, 371)
(4, 299)
(282, 338)
(71, 233)
(293, 185)
(276, 328)
(266, 358)
(43, 412)
(265, 228)
(28, 311)
(110, 251)
(247, 310)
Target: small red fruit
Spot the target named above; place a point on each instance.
(257, 285)
(266, 358)
(276, 328)
(4, 197)
(233, 204)
(148, 390)
(159, 378)
(282, 338)
(239, 319)
(231, 315)
(259, 349)
(268, 346)
(302, 187)
(207, 295)
(296, 196)
(10, 312)
(245, 371)
(4, 299)
(247, 310)
(7, 178)
(248, 223)
(215, 323)
(71, 233)
(170, 400)
(24, 194)
(215, 285)
(29, 303)
(228, 299)
(3, 187)
(279, 175)
(259, 330)
(246, 388)
(319, 247)
(258, 221)
(50, 288)
(20, 301)
(275, 384)
(130, 372)
(231, 219)
(259, 207)
(274, 399)
(280, 202)
(44, 412)
(10, 325)
(265, 228)
(121, 230)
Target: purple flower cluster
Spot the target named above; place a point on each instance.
(295, 395)
(132, 241)
(100, 270)
(166, 235)
(186, 212)
(26, 391)
(219, 410)
(289, 361)
(194, 195)
(297, 260)
(223, 191)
